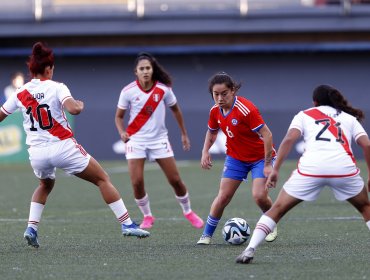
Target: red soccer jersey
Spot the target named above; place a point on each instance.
(241, 126)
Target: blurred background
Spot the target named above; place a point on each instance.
(278, 49)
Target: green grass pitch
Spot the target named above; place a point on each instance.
(81, 239)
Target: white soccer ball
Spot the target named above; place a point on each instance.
(236, 231)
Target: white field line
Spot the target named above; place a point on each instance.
(50, 219)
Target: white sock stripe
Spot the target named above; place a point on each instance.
(212, 222)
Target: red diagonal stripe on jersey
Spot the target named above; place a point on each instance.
(148, 109)
(318, 115)
(57, 129)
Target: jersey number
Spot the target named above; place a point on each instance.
(326, 126)
(39, 110)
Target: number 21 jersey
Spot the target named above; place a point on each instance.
(327, 135)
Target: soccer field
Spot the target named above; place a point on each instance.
(81, 239)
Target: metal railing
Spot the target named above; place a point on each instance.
(41, 10)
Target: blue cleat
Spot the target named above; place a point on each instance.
(31, 236)
(134, 230)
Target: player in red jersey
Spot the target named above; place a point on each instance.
(51, 142)
(328, 130)
(249, 148)
(146, 134)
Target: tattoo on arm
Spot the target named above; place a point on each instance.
(268, 157)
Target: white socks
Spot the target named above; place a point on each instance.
(264, 226)
(184, 202)
(368, 224)
(144, 205)
(119, 209)
(35, 214)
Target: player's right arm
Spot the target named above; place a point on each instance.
(206, 161)
(120, 114)
(286, 145)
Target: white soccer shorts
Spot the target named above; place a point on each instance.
(152, 151)
(67, 155)
(308, 188)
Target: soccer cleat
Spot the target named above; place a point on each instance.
(147, 222)
(31, 236)
(134, 230)
(194, 219)
(272, 236)
(246, 256)
(204, 240)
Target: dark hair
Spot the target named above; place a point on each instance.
(159, 73)
(40, 58)
(330, 96)
(223, 78)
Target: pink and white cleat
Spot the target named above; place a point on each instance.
(194, 219)
(147, 222)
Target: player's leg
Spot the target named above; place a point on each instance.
(38, 202)
(226, 192)
(45, 171)
(260, 193)
(354, 191)
(136, 170)
(362, 204)
(169, 167)
(95, 174)
(267, 223)
(136, 154)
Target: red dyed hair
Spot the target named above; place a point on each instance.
(41, 57)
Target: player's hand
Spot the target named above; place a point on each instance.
(272, 179)
(267, 169)
(206, 162)
(80, 104)
(125, 137)
(185, 142)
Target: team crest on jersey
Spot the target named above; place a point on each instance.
(234, 122)
(156, 97)
(149, 110)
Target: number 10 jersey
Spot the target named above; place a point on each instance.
(41, 103)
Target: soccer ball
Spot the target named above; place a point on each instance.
(236, 231)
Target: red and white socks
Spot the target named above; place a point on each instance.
(120, 211)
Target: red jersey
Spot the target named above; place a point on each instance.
(241, 126)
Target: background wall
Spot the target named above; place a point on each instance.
(279, 83)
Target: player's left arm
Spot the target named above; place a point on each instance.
(267, 140)
(364, 142)
(180, 121)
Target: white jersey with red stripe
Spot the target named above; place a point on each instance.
(327, 134)
(41, 103)
(147, 110)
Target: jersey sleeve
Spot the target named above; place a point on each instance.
(358, 130)
(169, 97)
(212, 121)
(297, 122)
(255, 119)
(123, 102)
(10, 106)
(63, 93)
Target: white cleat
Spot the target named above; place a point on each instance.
(204, 240)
